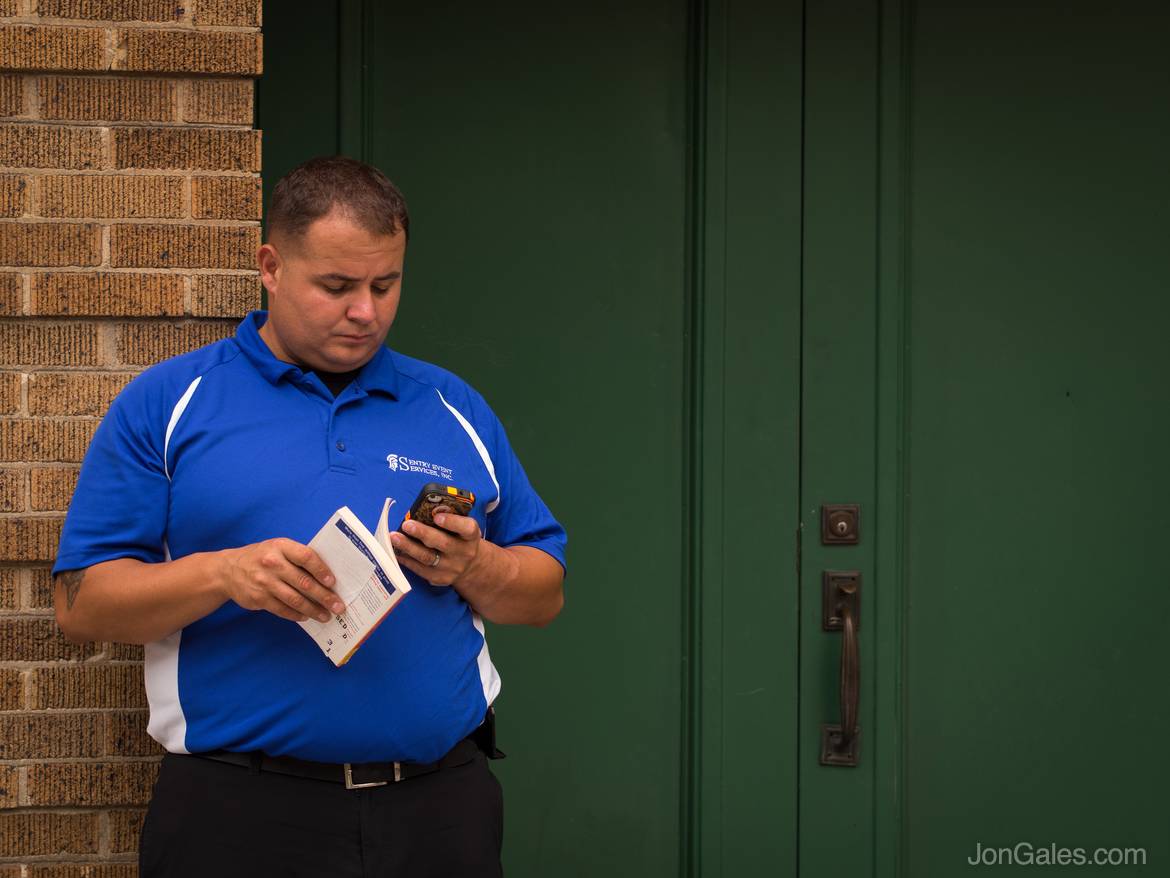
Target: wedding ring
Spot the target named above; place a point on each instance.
(438, 556)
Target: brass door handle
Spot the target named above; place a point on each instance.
(850, 675)
(840, 608)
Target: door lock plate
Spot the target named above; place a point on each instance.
(838, 586)
(840, 524)
(834, 750)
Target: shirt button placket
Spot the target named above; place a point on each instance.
(340, 454)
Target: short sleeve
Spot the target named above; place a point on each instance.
(119, 508)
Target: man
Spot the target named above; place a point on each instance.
(186, 534)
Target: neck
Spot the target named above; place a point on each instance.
(268, 336)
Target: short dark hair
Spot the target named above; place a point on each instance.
(313, 189)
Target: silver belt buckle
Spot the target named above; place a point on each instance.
(350, 785)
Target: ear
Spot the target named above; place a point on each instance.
(270, 264)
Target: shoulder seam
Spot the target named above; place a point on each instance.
(181, 406)
(480, 447)
(176, 413)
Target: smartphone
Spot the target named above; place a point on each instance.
(433, 495)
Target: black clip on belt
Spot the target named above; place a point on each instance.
(355, 776)
(368, 774)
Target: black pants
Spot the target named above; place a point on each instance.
(211, 819)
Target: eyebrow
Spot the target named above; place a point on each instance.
(344, 278)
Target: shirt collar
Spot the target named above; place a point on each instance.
(378, 374)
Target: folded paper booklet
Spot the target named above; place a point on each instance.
(369, 581)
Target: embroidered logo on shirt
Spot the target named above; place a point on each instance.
(400, 462)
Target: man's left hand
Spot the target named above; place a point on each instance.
(441, 555)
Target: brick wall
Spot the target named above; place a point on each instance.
(129, 208)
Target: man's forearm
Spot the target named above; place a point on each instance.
(516, 585)
(131, 601)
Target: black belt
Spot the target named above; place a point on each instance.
(355, 776)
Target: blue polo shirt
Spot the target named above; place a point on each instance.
(227, 446)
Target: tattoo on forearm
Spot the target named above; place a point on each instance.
(71, 579)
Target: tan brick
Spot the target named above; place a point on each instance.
(82, 195)
(51, 243)
(11, 689)
(45, 833)
(106, 294)
(225, 198)
(13, 195)
(53, 735)
(146, 246)
(221, 101)
(105, 10)
(10, 588)
(92, 99)
(40, 588)
(224, 295)
(206, 149)
(38, 639)
(29, 539)
(11, 95)
(88, 870)
(73, 393)
(49, 146)
(9, 393)
(123, 652)
(37, 47)
(228, 13)
(52, 488)
(126, 734)
(143, 344)
(11, 294)
(60, 344)
(45, 439)
(125, 828)
(8, 787)
(93, 783)
(174, 51)
(12, 491)
(87, 686)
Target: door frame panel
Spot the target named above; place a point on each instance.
(854, 425)
(745, 438)
(892, 498)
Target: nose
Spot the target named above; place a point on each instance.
(361, 308)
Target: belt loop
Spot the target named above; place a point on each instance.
(256, 757)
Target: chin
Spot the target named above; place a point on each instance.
(347, 361)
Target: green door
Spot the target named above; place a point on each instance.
(719, 264)
(985, 311)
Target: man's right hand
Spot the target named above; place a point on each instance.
(284, 577)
